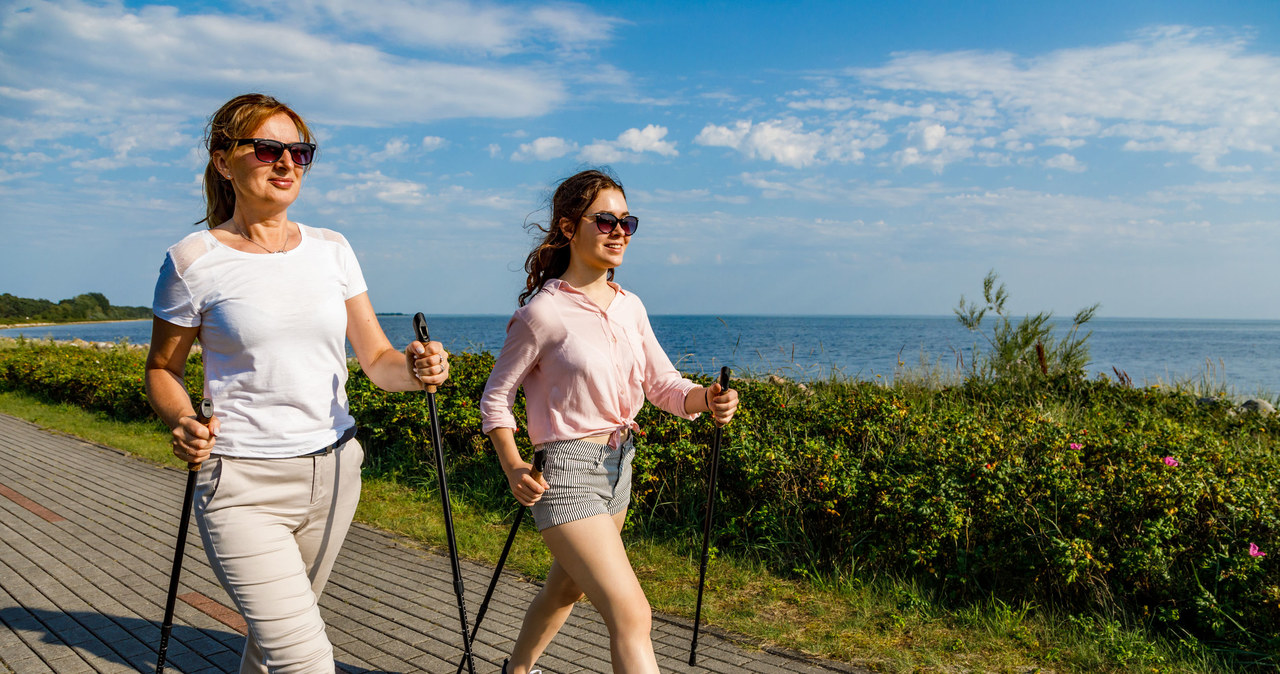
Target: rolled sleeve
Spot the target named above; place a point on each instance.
(663, 384)
(519, 355)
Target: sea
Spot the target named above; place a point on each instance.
(1242, 356)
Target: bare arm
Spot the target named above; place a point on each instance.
(166, 365)
(417, 366)
(526, 490)
(721, 404)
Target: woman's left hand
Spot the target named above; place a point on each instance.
(428, 363)
(722, 403)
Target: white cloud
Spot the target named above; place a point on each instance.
(73, 67)
(1177, 90)
(884, 111)
(453, 24)
(993, 159)
(1067, 143)
(1064, 161)
(1171, 89)
(1232, 192)
(784, 141)
(376, 186)
(932, 136)
(788, 143)
(629, 145)
(433, 143)
(6, 176)
(543, 149)
(934, 147)
(821, 189)
(395, 147)
(837, 104)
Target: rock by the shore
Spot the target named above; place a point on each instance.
(1256, 406)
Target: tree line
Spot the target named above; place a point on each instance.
(86, 307)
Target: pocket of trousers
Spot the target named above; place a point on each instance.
(574, 458)
(207, 481)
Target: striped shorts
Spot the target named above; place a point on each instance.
(586, 479)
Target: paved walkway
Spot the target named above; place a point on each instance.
(86, 544)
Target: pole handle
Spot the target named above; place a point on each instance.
(724, 385)
(204, 414)
(422, 335)
(539, 461)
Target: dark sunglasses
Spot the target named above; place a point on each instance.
(270, 151)
(605, 222)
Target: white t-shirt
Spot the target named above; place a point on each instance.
(273, 330)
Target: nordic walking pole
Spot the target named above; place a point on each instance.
(420, 329)
(706, 524)
(536, 474)
(204, 416)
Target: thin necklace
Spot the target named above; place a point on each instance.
(287, 235)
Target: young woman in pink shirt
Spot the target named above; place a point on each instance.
(585, 353)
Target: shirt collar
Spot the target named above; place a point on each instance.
(555, 284)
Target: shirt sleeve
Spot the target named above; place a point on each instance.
(663, 384)
(520, 353)
(173, 301)
(355, 277)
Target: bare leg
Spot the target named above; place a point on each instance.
(590, 557)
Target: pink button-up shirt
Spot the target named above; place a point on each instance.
(586, 371)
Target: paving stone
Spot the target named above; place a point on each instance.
(31, 665)
(86, 594)
(71, 663)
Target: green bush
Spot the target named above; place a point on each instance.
(1062, 494)
(1024, 352)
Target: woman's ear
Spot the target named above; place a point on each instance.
(566, 227)
(219, 159)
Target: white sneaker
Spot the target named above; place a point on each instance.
(504, 668)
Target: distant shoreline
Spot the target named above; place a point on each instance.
(4, 326)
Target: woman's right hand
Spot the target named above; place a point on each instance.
(193, 441)
(527, 490)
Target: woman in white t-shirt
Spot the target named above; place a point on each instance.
(272, 302)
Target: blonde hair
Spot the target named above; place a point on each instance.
(236, 119)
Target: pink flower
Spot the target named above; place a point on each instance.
(1075, 446)
(1171, 462)
(1255, 552)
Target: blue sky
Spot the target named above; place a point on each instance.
(784, 158)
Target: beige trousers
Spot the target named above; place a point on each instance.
(272, 529)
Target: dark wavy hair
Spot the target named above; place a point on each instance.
(550, 258)
(237, 118)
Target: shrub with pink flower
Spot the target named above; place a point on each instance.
(1075, 446)
(1170, 462)
(1254, 551)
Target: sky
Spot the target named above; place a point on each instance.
(783, 157)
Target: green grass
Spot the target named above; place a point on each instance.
(883, 623)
